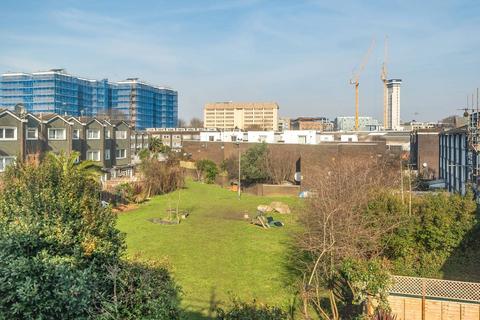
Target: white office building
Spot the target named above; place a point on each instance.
(263, 136)
(392, 112)
(300, 137)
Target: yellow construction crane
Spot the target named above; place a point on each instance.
(384, 77)
(356, 77)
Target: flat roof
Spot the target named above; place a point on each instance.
(63, 72)
(241, 105)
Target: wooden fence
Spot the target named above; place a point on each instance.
(413, 298)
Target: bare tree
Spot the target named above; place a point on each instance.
(280, 165)
(161, 177)
(196, 123)
(255, 127)
(335, 223)
(181, 123)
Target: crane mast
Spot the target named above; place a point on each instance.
(384, 77)
(355, 80)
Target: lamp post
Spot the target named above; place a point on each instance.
(239, 171)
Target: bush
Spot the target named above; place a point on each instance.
(58, 245)
(125, 191)
(206, 170)
(251, 311)
(161, 177)
(254, 164)
(55, 241)
(358, 283)
(437, 227)
(143, 290)
(129, 192)
(230, 165)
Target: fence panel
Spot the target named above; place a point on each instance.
(431, 299)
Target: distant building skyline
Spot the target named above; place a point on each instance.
(237, 50)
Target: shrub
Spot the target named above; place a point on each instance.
(161, 177)
(437, 227)
(142, 290)
(230, 165)
(206, 170)
(359, 283)
(58, 245)
(144, 154)
(55, 241)
(251, 311)
(254, 164)
(125, 191)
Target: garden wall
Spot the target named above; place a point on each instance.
(268, 190)
(307, 157)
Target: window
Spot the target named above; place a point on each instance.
(93, 134)
(76, 134)
(6, 161)
(93, 155)
(107, 154)
(108, 135)
(56, 134)
(32, 133)
(121, 154)
(121, 135)
(8, 133)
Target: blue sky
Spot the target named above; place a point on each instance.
(298, 53)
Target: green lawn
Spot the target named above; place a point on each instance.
(215, 253)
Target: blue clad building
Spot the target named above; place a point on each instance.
(148, 106)
(141, 104)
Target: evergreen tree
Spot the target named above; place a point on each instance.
(59, 245)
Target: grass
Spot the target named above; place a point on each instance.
(215, 254)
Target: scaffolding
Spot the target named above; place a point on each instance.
(473, 140)
(133, 106)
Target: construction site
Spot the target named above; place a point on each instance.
(391, 90)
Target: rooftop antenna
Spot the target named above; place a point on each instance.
(472, 101)
(477, 99)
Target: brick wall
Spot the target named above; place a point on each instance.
(310, 157)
